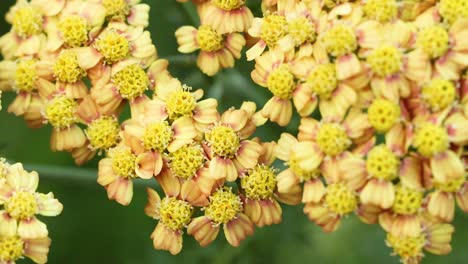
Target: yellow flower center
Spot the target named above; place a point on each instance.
(74, 30)
(340, 199)
(103, 133)
(301, 30)
(25, 75)
(259, 183)
(113, 47)
(303, 175)
(224, 206)
(405, 246)
(157, 136)
(273, 28)
(123, 162)
(174, 213)
(451, 10)
(22, 205)
(116, 9)
(208, 39)
(60, 111)
(381, 163)
(381, 10)
(131, 81)
(180, 103)
(281, 82)
(228, 5)
(383, 114)
(27, 21)
(186, 161)
(439, 94)
(66, 67)
(450, 186)
(332, 139)
(11, 248)
(340, 40)
(430, 139)
(407, 201)
(433, 40)
(223, 141)
(322, 80)
(385, 61)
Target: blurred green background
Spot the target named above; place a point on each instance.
(92, 229)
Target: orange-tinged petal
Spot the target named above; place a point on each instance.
(152, 206)
(314, 190)
(462, 197)
(438, 239)
(286, 181)
(148, 164)
(303, 100)
(20, 104)
(8, 225)
(67, 139)
(284, 146)
(37, 249)
(248, 154)
(169, 183)
(441, 205)
(238, 229)
(183, 128)
(167, 239)
(203, 230)
(106, 174)
(223, 168)
(191, 193)
(278, 110)
(271, 213)
(208, 62)
(32, 228)
(253, 210)
(291, 197)
(379, 193)
(447, 166)
(347, 66)
(411, 173)
(120, 190)
(187, 39)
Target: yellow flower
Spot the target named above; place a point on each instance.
(132, 12)
(13, 248)
(226, 16)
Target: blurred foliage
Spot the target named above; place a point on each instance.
(94, 230)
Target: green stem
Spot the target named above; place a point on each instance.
(191, 12)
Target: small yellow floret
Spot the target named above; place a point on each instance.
(332, 139)
(131, 81)
(180, 103)
(27, 21)
(103, 133)
(66, 67)
(22, 205)
(406, 247)
(407, 201)
(381, 163)
(186, 161)
(113, 47)
(74, 31)
(25, 75)
(430, 139)
(224, 206)
(451, 10)
(259, 183)
(157, 136)
(433, 40)
(383, 114)
(280, 82)
(340, 199)
(60, 111)
(385, 61)
(301, 30)
(322, 80)
(303, 175)
(228, 5)
(174, 213)
(123, 162)
(381, 10)
(116, 9)
(11, 249)
(439, 94)
(208, 39)
(340, 40)
(273, 28)
(223, 141)
(451, 186)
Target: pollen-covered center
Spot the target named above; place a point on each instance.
(301, 30)
(21, 205)
(123, 162)
(280, 82)
(332, 139)
(224, 206)
(66, 67)
(131, 81)
(113, 47)
(407, 201)
(273, 28)
(60, 111)
(223, 140)
(174, 213)
(322, 80)
(73, 30)
(340, 199)
(381, 10)
(180, 103)
(433, 40)
(25, 75)
(451, 10)
(228, 5)
(381, 163)
(430, 139)
(259, 183)
(439, 94)
(27, 21)
(11, 248)
(385, 61)
(406, 247)
(103, 133)
(340, 40)
(303, 175)
(451, 186)
(116, 9)
(383, 114)
(157, 136)
(186, 161)
(208, 39)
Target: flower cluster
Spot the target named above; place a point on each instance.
(21, 233)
